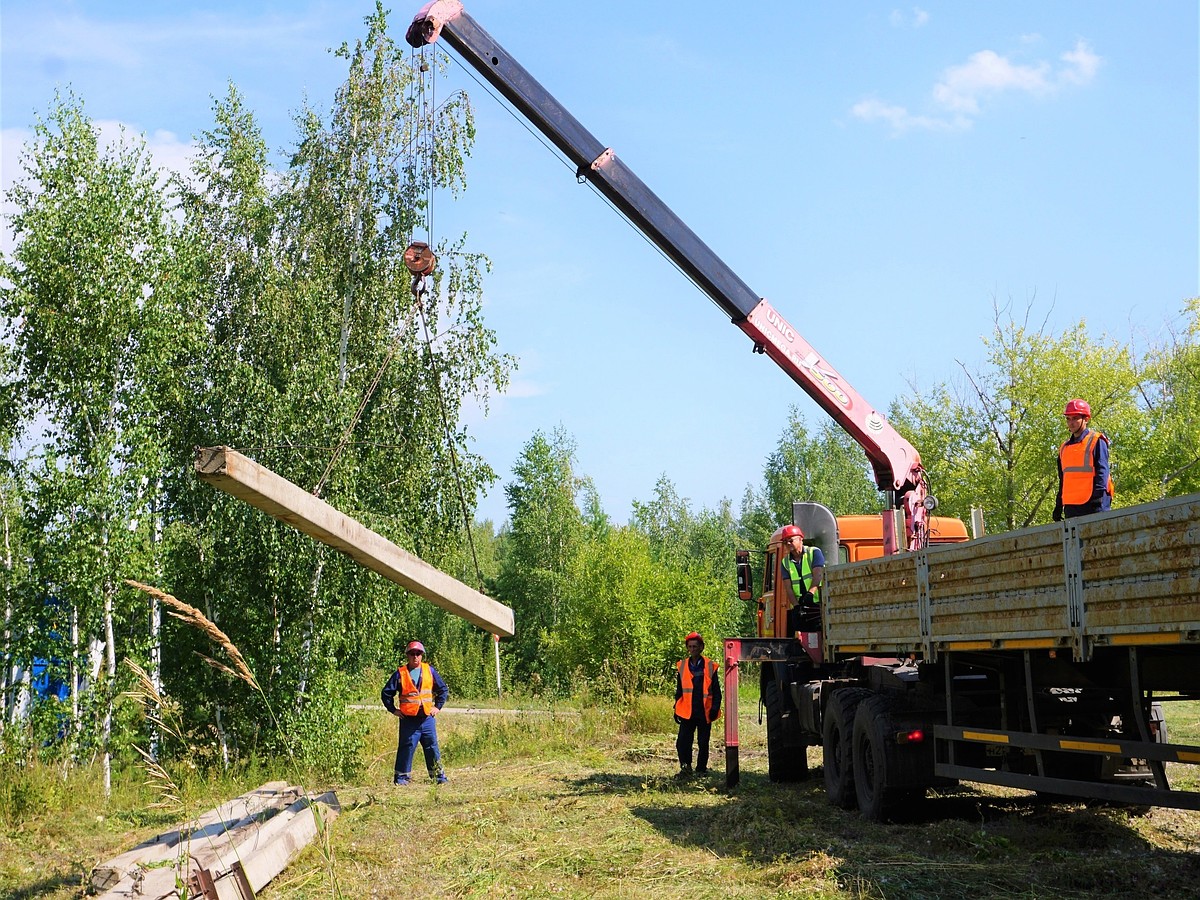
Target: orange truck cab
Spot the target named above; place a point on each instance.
(861, 537)
(843, 539)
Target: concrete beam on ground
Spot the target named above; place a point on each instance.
(241, 477)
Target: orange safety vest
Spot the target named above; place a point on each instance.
(683, 706)
(1078, 463)
(414, 699)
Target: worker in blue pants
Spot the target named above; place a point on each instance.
(416, 693)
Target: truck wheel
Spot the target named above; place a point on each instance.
(875, 766)
(787, 754)
(837, 736)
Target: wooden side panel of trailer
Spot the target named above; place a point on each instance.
(1127, 577)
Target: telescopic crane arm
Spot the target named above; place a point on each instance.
(896, 463)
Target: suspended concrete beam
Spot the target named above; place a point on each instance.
(241, 477)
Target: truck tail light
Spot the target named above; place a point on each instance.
(915, 736)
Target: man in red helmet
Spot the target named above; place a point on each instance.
(1084, 485)
(415, 693)
(697, 705)
(803, 569)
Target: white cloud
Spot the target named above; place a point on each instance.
(986, 72)
(901, 120)
(12, 140)
(520, 389)
(1081, 62)
(131, 44)
(499, 406)
(916, 18)
(166, 150)
(962, 90)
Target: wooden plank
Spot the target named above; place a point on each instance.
(255, 849)
(208, 827)
(153, 884)
(249, 841)
(241, 477)
(239, 872)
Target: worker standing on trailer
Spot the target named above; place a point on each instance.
(415, 693)
(1084, 482)
(697, 705)
(803, 568)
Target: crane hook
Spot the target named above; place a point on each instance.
(419, 258)
(421, 261)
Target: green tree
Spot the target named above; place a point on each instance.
(19, 634)
(991, 441)
(323, 361)
(90, 299)
(1171, 393)
(546, 532)
(634, 591)
(829, 468)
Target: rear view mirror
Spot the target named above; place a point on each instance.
(745, 578)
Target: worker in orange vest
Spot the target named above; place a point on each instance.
(415, 693)
(697, 704)
(1084, 483)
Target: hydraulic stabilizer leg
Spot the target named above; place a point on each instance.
(733, 772)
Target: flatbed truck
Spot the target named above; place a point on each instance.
(1035, 659)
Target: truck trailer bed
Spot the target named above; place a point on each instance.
(1127, 577)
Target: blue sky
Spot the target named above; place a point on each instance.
(883, 174)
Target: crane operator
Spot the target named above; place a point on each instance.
(803, 568)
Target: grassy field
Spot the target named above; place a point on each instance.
(583, 803)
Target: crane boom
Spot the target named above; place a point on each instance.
(896, 463)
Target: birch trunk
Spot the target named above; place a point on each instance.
(156, 624)
(222, 737)
(309, 628)
(6, 675)
(110, 655)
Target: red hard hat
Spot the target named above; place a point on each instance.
(694, 636)
(414, 645)
(1078, 408)
(791, 531)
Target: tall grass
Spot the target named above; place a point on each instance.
(161, 712)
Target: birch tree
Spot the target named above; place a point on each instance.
(323, 368)
(88, 302)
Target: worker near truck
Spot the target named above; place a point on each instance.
(803, 570)
(1084, 482)
(697, 705)
(415, 694)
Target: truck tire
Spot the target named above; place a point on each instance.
(837, 737)
(787, 752)
(877, 775)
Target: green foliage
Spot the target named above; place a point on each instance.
(89, 300)
(307, 348)
(635, 591)
(545, 535)
(325, 738)
(828, 468)
(263, 315)
(1171, 392)
(650, 714)
(992, 440)
(525, 736)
